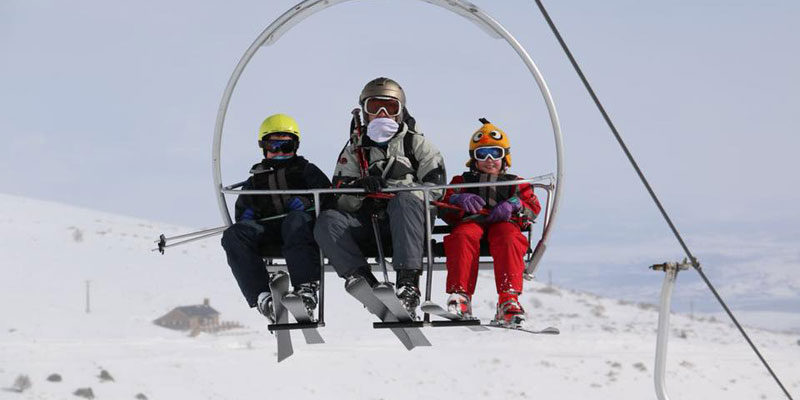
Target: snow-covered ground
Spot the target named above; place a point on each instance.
(605, 351)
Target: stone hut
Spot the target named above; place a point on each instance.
(190, 317)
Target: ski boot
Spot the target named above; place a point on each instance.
(408, 290)
(363, 272)
(308, 293)
(509, 312)
(264, 306)
(460, 304)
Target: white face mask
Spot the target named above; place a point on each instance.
(381, 130)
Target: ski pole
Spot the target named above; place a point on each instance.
(206, 233)
(363, 167)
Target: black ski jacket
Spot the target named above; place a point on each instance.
(296, 173)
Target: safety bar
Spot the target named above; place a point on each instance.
(417, 188)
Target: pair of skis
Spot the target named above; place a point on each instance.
(284, 301)
(383, 303)
(474, 323)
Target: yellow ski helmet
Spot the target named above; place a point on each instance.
(278, 123)
(489, 135)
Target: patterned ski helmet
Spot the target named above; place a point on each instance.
(486, 136)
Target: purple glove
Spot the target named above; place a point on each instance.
(502, 211)
(469, 202)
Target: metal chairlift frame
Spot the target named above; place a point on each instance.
(471, 12)
(306, 8)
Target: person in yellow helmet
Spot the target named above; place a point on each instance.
(509, 208)
(281, 169)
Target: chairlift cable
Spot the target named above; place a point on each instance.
(639, 172)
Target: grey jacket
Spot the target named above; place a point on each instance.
(421, 164)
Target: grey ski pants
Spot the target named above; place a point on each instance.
(338, 234)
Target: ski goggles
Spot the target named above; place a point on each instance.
(485, 153)
(391, 106)
(280, 145)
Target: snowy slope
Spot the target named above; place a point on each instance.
(48, 251)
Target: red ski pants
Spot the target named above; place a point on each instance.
(507, 245)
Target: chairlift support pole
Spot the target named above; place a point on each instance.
(426, 197)
(671, 273)
(321, 305)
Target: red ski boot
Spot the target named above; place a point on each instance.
(460, 304)
(509, 311)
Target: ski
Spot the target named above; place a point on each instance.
(361, 290)
(473, 323)
(279, 285)
(435, 309)
(297, 308)
(546, 331)
(385, 293)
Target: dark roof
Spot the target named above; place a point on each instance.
(198, 311)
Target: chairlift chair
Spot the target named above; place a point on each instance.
(551, 185)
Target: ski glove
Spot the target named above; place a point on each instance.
(372, 184)
(248, 215)
(469, 202)
(503, 210)
(298, 204)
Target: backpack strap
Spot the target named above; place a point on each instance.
(408, 149)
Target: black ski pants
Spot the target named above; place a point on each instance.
(243, 243)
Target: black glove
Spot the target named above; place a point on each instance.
(370, 206)
(372, 184)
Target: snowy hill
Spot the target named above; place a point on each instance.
(605, 351)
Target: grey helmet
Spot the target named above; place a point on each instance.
(383, 87)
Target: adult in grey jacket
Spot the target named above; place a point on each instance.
(396, 155)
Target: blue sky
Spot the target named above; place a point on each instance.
(112, 105)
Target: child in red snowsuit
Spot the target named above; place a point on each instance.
(497, 214)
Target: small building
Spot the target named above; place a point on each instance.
(197, 317)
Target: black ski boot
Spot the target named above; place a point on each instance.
(308, 292)
(408, 290)
(363, 272)
(264, 306)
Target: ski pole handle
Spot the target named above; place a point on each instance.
(206, 233)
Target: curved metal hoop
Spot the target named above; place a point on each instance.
(465, 9)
